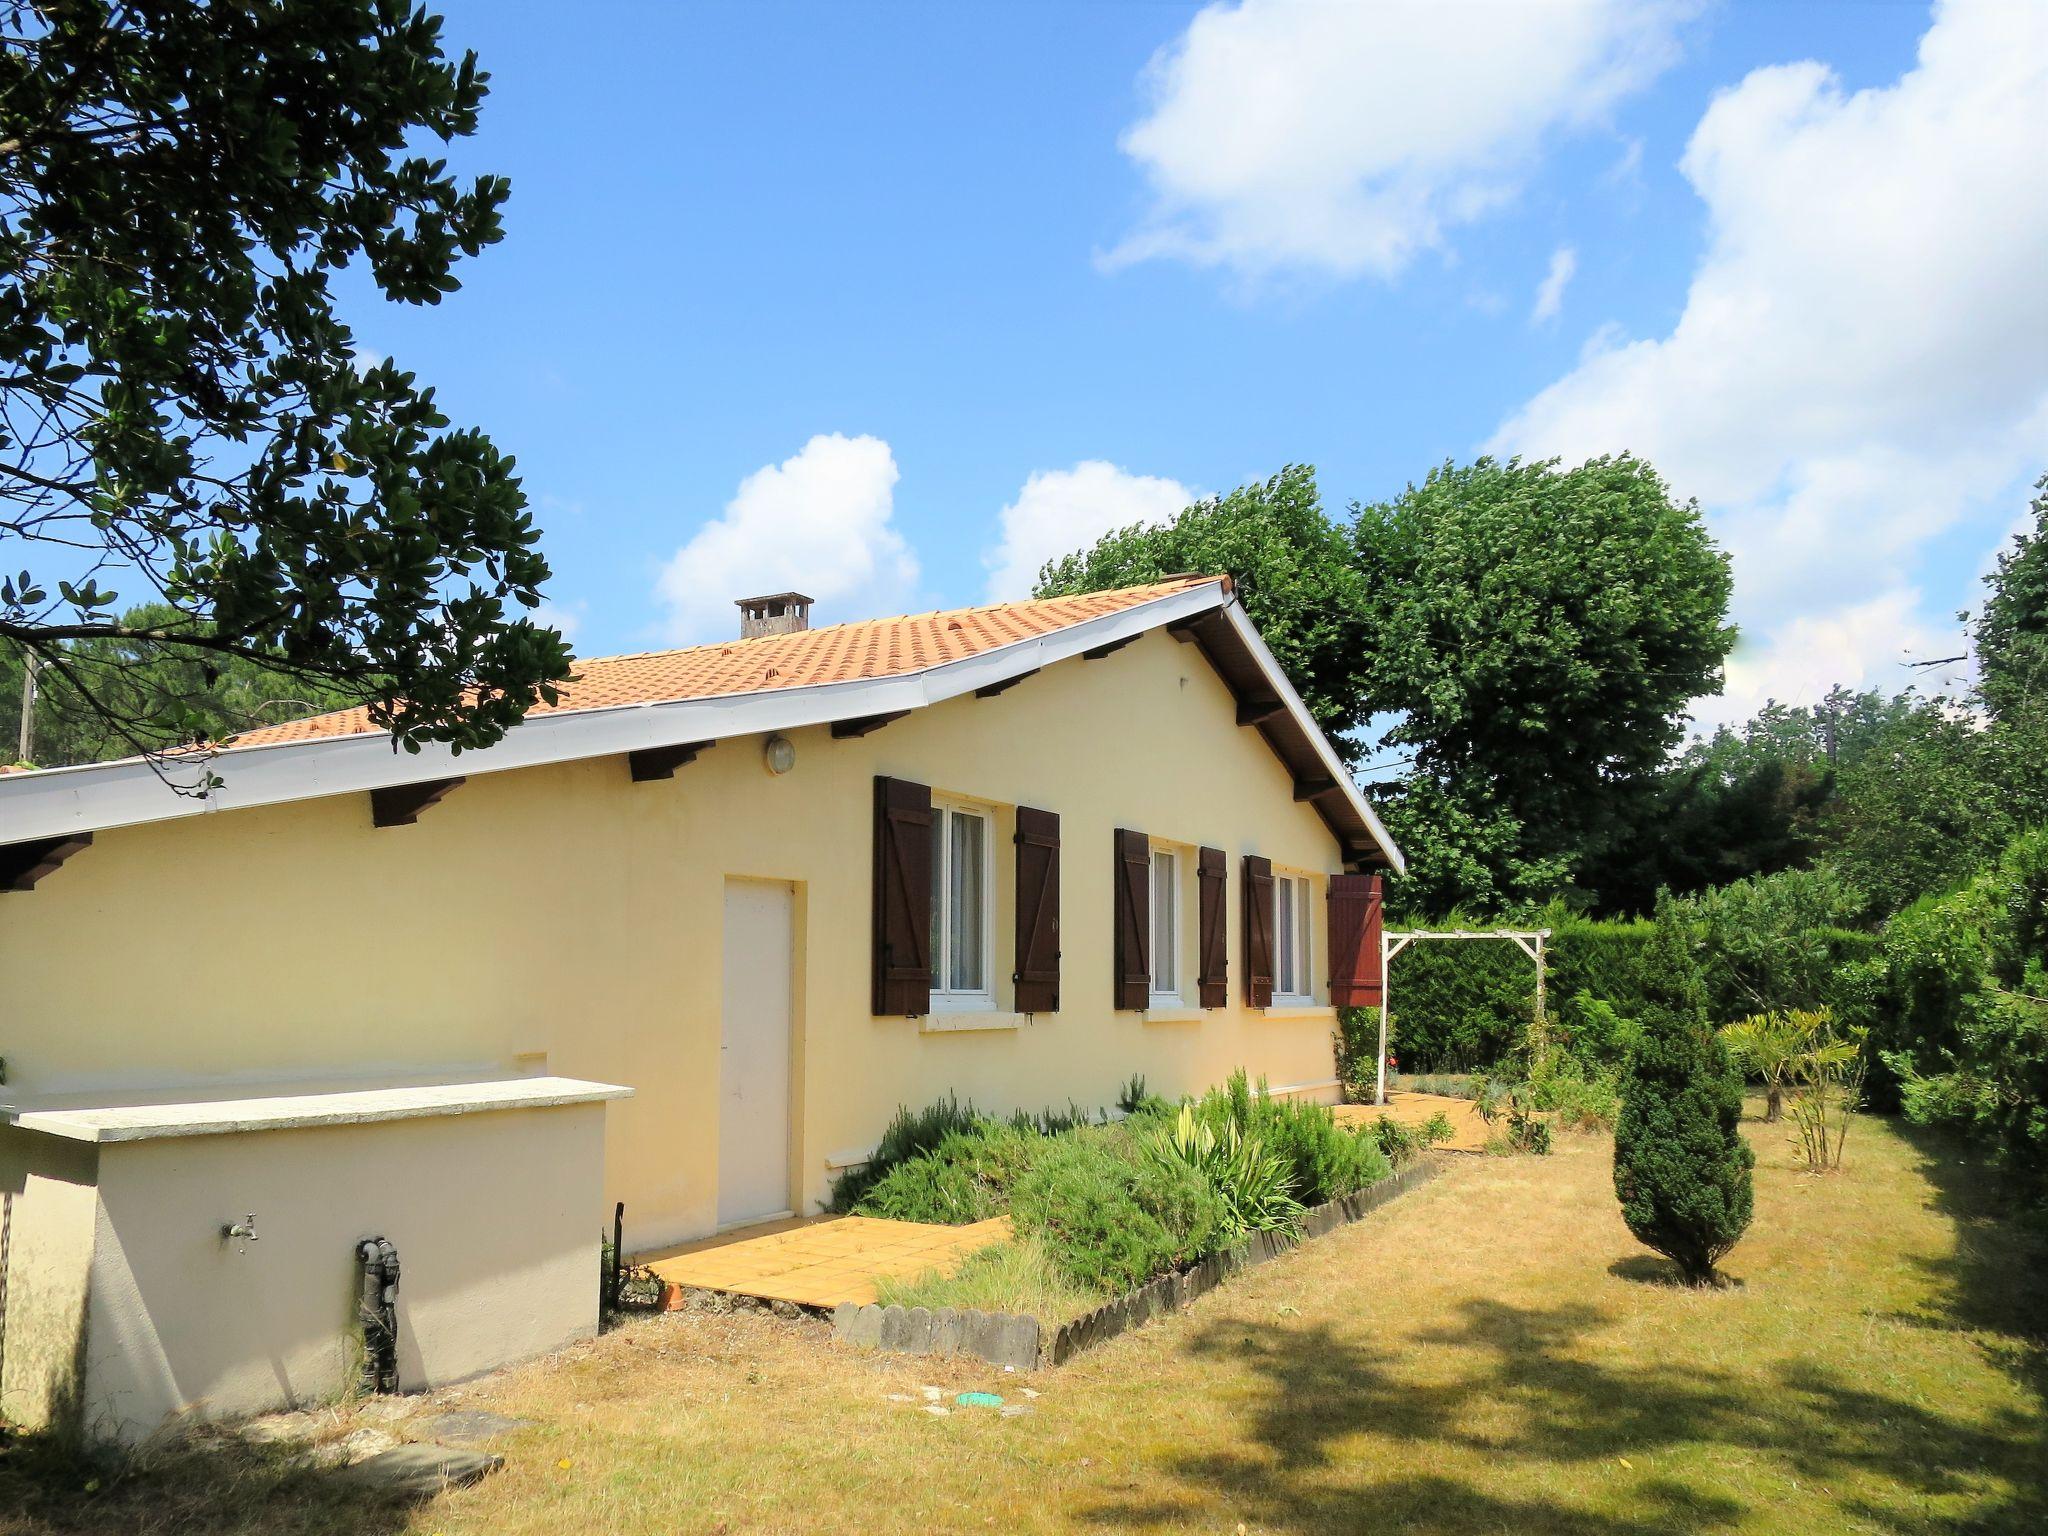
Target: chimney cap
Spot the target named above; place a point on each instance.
(773, 597)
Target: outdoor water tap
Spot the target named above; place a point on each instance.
(240, 1233)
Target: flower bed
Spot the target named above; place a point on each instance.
(1105, 1208)
(1020, 1341)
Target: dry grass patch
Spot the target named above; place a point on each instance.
(1492, 1353)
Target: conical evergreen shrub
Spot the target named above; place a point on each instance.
(1681, 1167)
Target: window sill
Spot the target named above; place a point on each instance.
(963, 1020)
(1172, 1013)
(1288, 1010)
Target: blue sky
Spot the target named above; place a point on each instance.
(811, 294)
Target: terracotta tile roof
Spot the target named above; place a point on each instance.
(835, 654)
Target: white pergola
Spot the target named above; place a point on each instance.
(1528, 940)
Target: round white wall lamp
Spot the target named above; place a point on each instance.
(779, 754)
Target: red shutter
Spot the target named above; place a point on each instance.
(1214, 977)
(903, 897)
(1037, 977)
(1133, 919)
(1355, 941)
(1258, 931)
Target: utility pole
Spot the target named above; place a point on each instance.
(26, 744)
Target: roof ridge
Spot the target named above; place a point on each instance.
(1181, 579)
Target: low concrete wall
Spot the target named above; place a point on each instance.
(1020, 1342)
(491, 1214)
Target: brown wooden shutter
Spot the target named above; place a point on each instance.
(1037, 977)
(1133, 918)
(1355, 980)
(1213, 978)
(1258, 931)
(903, 897)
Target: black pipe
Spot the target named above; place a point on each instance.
(618, 1254)
(378, 1310)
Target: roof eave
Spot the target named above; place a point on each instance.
(99, 796)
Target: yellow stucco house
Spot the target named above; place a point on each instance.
(684, 940)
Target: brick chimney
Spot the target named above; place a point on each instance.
(778, 613)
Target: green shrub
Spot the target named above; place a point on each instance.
(1579, 1097)
(1398, 1144)
(1595, 1031)
(1110, 1217)
(911, 1132)
(1357, 1045)
(1775, 942)
(1248, 1180)
(929, 1187)
(1437, 1128)
(1681, 1167)
(1323, 1159)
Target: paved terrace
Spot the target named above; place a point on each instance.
(822, 1261)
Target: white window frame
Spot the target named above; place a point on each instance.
(1300, 944)
(962, 1000)
(1174, 995)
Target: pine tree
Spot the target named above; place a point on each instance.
(1681, 1167)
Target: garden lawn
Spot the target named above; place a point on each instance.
(1491, 1353)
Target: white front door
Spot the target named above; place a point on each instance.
(754, 1052)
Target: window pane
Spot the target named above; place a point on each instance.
(938, 939)
(1302, 970)
(1165, 923)
(1283, 935)
(969, 852)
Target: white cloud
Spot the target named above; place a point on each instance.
(567, 618)
(1564, 262)
(1870, 644)
(1062, 510)
(820, 522)
(1862, 360)
(1345, 138)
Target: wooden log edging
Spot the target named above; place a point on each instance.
(1021, 1342)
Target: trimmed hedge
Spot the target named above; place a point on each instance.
(1466, 1007)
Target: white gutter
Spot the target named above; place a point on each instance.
(56, 802)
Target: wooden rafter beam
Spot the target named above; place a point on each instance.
(651, 763)
(862, 725)
(990, 690)
(23, 864)
(1186, 630)
(1258, 711)
(1308, 789)
(1107, 648)
(399, 805)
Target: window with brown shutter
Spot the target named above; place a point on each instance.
(1133, 919)
(1355, 979)
(1258, 931)
(903, 898)
(1037, 977)
(1213, 949)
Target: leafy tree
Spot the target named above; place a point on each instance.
(184, 418)
(1920, 807)
(220, 696)
(1293, 570)
(1681, 1166)
(1539, 632)
(1700, 825)
(2011, 632)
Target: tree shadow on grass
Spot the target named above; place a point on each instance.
(212, 1483)
(1992, 1283)
(1529, 1398)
